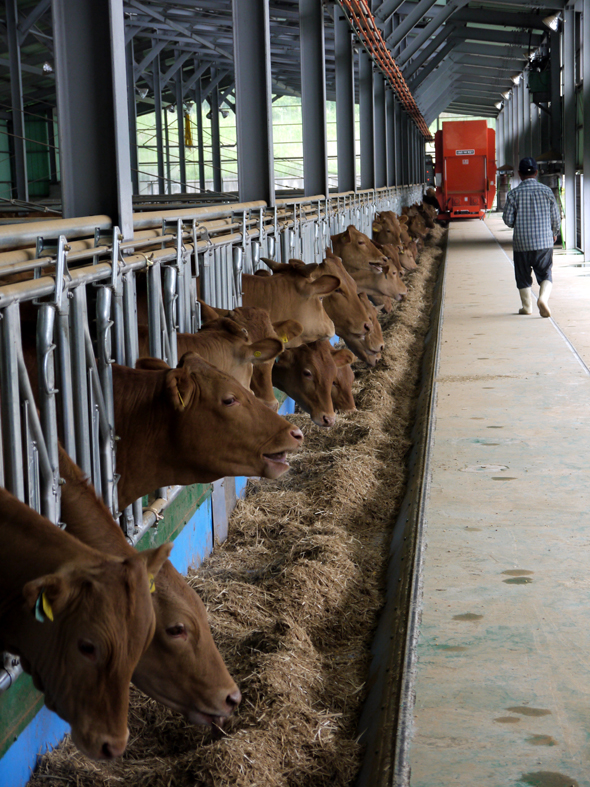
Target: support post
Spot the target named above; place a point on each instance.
(367, 117)
(132, 113)
(251, 30)
(215, 138)
(313, 97)
(180, 122)
(399, 174)
(200, 142)
(91, 84)
(16, 92)
(586, 122)
(344, 65)
(569, 126)
(555, 42)
(380, 131)
(390, 137)
(158, 118)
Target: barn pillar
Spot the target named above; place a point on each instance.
(313, 97)
(91, 84)
(586, 123)
(158, 118)
(367, 120)
(132, 113)
(251, 30)
(555, 43)
(569, 126)
(399, 175)
(380, 131)
(16, 91)
(391, 139)
(344, 61)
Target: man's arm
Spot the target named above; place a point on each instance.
(555, 216)
(509, 213)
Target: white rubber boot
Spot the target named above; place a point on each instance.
(527, 301)
(543, 300)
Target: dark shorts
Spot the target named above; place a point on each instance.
(540, 261)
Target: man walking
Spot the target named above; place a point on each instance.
(533, 212)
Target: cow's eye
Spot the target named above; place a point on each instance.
(307, 373)
(361, 242)
(229, 400)
(87, 649)
(340, 290)
(177, 630)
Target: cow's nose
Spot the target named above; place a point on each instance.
(234, 699)
(367, 327)
(297, 434)
(113, 748)
(329, 420)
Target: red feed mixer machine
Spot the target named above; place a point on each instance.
(465, 173)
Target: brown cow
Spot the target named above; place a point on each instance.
(370, 347)
(224, 344)
(257, 322)
(342, 305)
(342, 397)
(307, 373)
(192, 424)
(294, 296)
(80, 621)
(181, 668)
(367, 264)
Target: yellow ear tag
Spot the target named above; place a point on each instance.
(257, 353)
(46, 607)
(180, 398)
(152, 583)
(376, 227)
(285, 339)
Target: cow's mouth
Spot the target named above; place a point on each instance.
(376, 266)
(200, 717)
(280, 458)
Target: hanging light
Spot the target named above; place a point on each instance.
(516, 78)
(552, 22)
(505, 95)
(143, 92)
(47, 68)
(498, 105)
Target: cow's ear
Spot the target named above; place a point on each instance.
(377, 226)
(403, 219)
(276, 267)
(155, 558)
(330, 253)
(181, 387)
(151, 364)
(325, 285)
(47, 596)
(209, 313)
(231, 326)
(302, 269)
(342, 357)
(262, 272)
(287, 330)
(263, 350)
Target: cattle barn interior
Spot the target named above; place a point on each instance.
(405, 605)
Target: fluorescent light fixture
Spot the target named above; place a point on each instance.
(552, 22)
(516, 78)
(505, 95)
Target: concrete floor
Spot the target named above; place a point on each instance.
(503, 676)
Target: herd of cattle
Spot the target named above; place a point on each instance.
(82, 608)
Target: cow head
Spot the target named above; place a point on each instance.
(98, 620)
(194, 424)
(293, 294)
(342, 397)
(342, 305)
(182, 667)
(370, 347)
(307, 373)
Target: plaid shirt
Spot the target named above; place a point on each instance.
(533, 212)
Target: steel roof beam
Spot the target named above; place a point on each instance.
(500, 64)
(485, 17)
(149, 58)
(179, 61)
(428, 50)
(411, 20)
(429, 30)
(431, 65)
(501, 36)
(26, 24)
(489, 50)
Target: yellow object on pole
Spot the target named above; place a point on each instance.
(188, 133)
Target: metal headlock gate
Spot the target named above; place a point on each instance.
(70, 287)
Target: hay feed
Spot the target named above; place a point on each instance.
(293, 597)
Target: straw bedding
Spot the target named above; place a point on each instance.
(293, 597)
